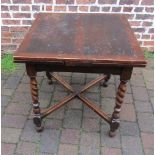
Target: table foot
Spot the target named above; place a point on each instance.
(50, 82)
(39, 129)
(38, 123)
(112, 133)
(113, 127)
(107, 78)
(49, 76)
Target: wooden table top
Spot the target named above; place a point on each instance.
(86, 38)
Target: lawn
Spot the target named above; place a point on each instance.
(7, 64)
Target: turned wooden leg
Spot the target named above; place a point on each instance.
(116, 114)
(105, 83)
(34, 93)
(49, 78)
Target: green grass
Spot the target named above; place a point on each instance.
(7, 64)
(149, 55)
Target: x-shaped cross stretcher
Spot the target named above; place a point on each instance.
(79, 95)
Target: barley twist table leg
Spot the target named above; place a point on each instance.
(36, 107)
(34, 93)
(116, 114)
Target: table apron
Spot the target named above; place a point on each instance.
(82, 69)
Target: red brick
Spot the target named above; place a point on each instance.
(107, 1)
(73, 8)
(152, 36)
(151, 30)
(43, 1)
(127, 9)
(137, 36)
(64, 1)
(85, 1)
(116, 9)
(9, 47)
(138, 9)
(61, 1)
(59, 8)
(130, 16)
(22, 15)
(5, 1)
(25, 8)
(128, 2)
(83, 8)
(35, 8)
(105, 9)
(146, 23)
(139, 29)
(6, 34)
(19, 29)
(135, 23)
(11, 22)
(145, 36)
(18, 34)
(49, 8)
(144, 16)
(22, 1)
(70, 2)
(27, 22)
(148, 43)
(5, 28)
(4, 8)
(147, 2)
(147, 139)
(16, 41)
(149, 9)
(6, 40)
(14, 8)
(150, 49)
(94, 9)
(5, 15)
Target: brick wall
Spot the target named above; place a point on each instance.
(17, 16)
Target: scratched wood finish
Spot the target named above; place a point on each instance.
(85, 38)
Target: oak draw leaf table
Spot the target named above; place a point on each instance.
(86, 43)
